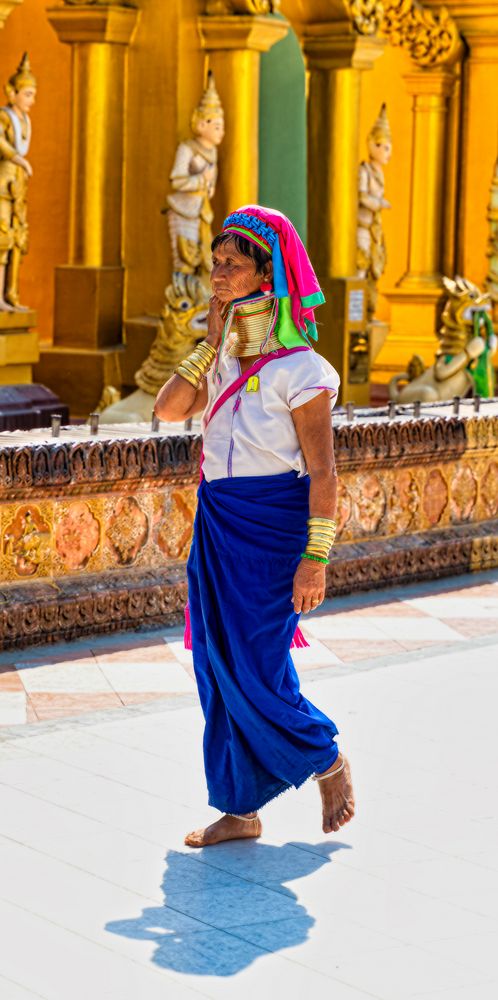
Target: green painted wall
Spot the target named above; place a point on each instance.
(282, 131)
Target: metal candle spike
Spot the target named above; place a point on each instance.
(456, 405)
(55, 420)
(94, 423)
(350, 411)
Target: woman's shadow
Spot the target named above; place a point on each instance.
(227, 905)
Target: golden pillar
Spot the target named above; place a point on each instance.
(89, 289)
(234, 43)
(478, 23)
(415, 300)
(337, 55)
(430, 91)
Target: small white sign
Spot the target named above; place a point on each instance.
(356, 305)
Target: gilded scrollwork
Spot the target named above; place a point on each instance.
(431, 38)
(366, 15)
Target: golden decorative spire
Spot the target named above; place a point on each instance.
(209, 106)
(381, 128)
(23, 76)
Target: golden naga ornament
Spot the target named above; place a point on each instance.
(463, 361)
(371, 250)
(15, 170)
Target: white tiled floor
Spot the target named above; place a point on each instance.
(100, 898)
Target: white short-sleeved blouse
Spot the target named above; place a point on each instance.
(253, 433)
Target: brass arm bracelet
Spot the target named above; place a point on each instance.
(196, 365)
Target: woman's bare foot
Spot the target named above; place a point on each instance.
(337, 797)
(226, 828)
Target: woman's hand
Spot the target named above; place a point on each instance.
(309, 586)
(215, 322)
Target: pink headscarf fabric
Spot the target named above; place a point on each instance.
(303, 288)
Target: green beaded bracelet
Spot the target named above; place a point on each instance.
(306, 555)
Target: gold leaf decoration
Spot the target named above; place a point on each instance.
(431, 38)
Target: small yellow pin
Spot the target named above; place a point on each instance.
(253, 383)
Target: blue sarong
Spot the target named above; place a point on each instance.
(261, 735)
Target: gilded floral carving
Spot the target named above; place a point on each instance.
(26, 540)
(489, 489)
(344, 507)
(127, 531)
(463, 494)
(435, 497)
(370, 504)
(366, 15)
(430, 37)
(174, 530)
(403, 502)
(77, 535)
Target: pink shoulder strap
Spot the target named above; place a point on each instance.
(253, 370)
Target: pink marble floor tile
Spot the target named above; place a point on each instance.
(31, 715)
(10, 680)
(393, 608)
(139, 654)
(137, 697)
(52, 706)
(350, 650)
(471, 627)
(411, 644)
(124, 643)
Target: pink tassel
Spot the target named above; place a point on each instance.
(299, 641)
(187, 635)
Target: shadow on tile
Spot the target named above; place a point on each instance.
(220, 914)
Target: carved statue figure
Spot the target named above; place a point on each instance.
(193, 179)
(371, 251)
(492, 250)
(15, 137)
(184, 316)
(464, 359)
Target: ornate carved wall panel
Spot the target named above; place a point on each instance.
(94, 535)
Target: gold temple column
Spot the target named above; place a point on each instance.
(478, 23)
(430, 91)
(337, 55)
(234, 43)
(89, 289)
(432, 40)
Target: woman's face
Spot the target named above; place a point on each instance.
(234, 276)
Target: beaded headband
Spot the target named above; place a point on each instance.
(263, 235)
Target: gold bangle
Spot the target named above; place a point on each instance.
(188, 378)
(192, 367)
(328, 521)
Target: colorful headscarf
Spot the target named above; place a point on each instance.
(295, 283)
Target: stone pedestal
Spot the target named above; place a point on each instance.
(18, 347)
